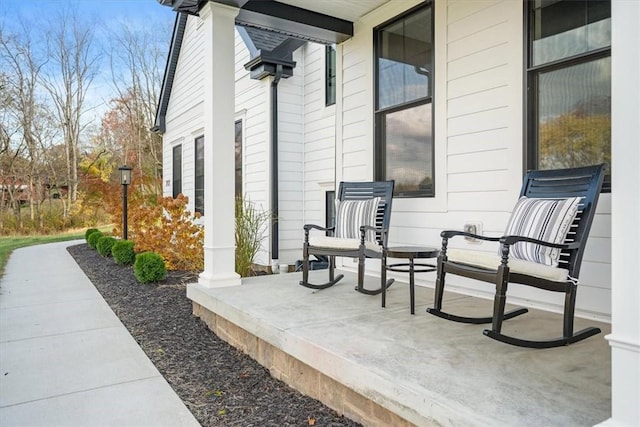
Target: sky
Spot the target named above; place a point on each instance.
(105, 10)
(105, 14)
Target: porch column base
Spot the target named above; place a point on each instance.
(219, 265)
(218, 280)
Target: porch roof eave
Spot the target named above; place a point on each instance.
(289, 19)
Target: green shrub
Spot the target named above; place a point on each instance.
(149, 267)
(104, 245)
(89, 232)
(93, 239)
(123, 253)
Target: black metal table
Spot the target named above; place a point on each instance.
(411, 253)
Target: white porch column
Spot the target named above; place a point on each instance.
(625, 214)
(219, 155)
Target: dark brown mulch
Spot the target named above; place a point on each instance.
(220, 385)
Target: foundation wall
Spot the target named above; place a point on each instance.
(301, 376)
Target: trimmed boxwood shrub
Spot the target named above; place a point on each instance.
(123, 253)
(89, 232)
(93, 239)
(149, 267)
(104, 245)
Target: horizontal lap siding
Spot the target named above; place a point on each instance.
(252, 107)
(357, 110)
(483, 87)
(184, 118)
(319, 139)
(479, 121)
(290, 157)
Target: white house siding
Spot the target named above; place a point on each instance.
(478, 97)
(252, 106)
(185, 122)
(319, 138)
(184, 118)
(484, 87)
(290, 155)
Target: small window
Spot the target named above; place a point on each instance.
(330, 209)
(330, 74)
(199, 175)
(177, 170)
(569, 84)
(239, 191)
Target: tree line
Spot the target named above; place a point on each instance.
(54, 152)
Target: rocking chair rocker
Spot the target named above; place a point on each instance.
(363, 214)
(542, 247)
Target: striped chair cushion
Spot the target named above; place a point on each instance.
(543, 219)
(352, 214)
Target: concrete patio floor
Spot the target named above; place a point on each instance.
(426, 370)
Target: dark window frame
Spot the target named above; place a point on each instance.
(531, 89)
(380, 114)
(329, 210)
(176, 183)
(329, 75)
(239, 186)
(198, 175)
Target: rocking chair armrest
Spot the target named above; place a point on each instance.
(510, 240)
(447, 234)
(308, 227)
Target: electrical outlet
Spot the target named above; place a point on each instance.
(473, 227)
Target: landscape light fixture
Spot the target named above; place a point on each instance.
(125, 180)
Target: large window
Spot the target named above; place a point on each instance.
(177, 170)
(238, 125)
(199, 175)
(330, 75)
(569, 84)
(404, 103)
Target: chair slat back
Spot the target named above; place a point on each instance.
(369, 190)
(584, 182)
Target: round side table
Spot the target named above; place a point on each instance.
(411, 253)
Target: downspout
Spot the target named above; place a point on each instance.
(274, 168)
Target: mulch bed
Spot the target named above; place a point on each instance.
(220, 385)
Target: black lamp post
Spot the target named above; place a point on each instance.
(125, 180)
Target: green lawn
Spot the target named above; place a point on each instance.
(8, 244)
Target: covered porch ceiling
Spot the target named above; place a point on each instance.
(326, 21)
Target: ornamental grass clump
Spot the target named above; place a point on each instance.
(123, 253)
(149, 267)
(104, 245)
(89, 232)
(93, 238)
(250, 225)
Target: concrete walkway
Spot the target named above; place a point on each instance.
(65, 357)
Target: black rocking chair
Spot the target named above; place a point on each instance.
(363, 214)
(553, 190)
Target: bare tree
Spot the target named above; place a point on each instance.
(72, 68)
(137, 60)
(22, 71)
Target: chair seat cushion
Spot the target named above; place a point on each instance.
(340, 243)
(491, 261)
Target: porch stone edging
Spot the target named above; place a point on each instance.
(301, 376)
